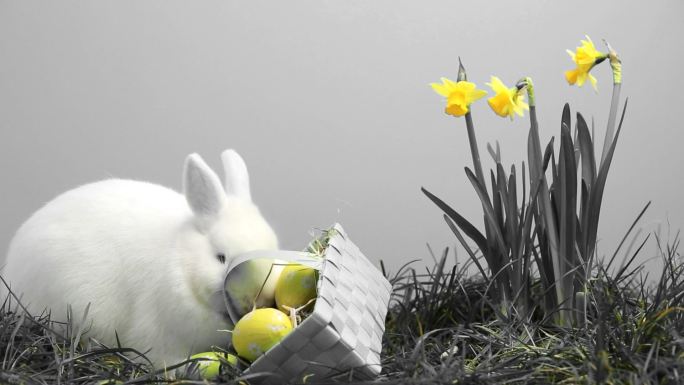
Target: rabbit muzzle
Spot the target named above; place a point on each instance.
(218, 305)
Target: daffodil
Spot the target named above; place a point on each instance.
(585, 58)
(459, 95)
(507, 101)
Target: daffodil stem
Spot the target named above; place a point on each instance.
(474, 150)
(610, 129)
(530, 91)
(616, 67)
(471, 132)
(477, 164)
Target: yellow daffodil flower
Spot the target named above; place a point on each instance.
(459, 95)
(585, 57)
(507, 101)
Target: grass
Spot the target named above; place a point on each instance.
(632, 333)
(442, 328)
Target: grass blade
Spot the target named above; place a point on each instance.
(629, 231)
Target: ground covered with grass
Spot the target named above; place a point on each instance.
(442, 328)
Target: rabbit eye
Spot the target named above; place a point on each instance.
(221, 257)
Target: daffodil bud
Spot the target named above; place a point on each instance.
(461, 72)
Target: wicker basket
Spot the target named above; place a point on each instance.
(345, 329)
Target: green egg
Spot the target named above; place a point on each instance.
(209, 363)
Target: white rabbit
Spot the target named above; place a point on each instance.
(150, 261)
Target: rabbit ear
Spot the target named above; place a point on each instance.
(202, 187)
(237, 178)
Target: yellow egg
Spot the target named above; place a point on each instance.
(296, 286)
(258, 331)
(209, 363)
(246, 280)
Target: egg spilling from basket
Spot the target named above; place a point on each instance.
(256, 332)
(311, 313)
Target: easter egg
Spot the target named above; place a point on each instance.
(245, 281)
(296, 287)
(209, 363)
(258, 331)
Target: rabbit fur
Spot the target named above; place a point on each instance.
(144, 257)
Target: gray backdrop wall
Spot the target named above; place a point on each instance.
(328, 102)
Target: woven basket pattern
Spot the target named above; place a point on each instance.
(345, 328)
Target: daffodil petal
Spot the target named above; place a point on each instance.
(496, 84)
(593, 81)
(476, 94)
(581, 78)
(440, 89)
(449, 82)
(467, 86)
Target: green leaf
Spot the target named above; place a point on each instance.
(596, 195)
(565, 118)
(497, 197)
(584, 221)
(587, 152)
(548, 153)
(496, 155)
(529, 215)
(465, 245)
(488, 209)
(568, 205)
(546, 229)
(463, 223)
(586, 146)
(512, 211)
(524, 184)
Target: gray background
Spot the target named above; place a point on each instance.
(328, 102)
